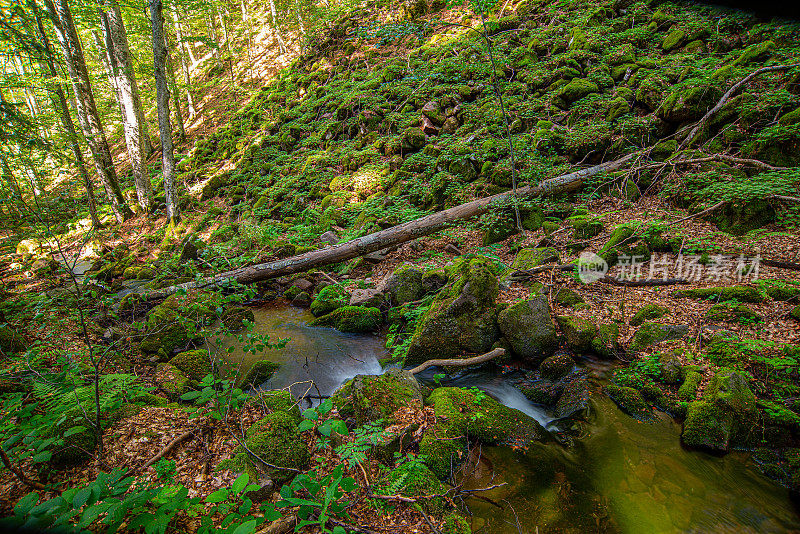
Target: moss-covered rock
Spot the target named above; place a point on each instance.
(374, 397)
(330, 299)
(195, 364)
(629, 401)
(462, 318)
(795, 313)
(528, 258)
(556, 366)
(606, 343)
(234, 318)
(755, 53)
(404, 285)
(652, 333)
(647, 313)
(674, 39)
(722, 294)
(171, 380)
(413, 139)
(470, 413)
(354, 319)
(279, 400)
(529, 329)
(725, 417)
(670, 366)
(688, 390)
(276, 440)
(586, 226)
(568, 297)
(688, 103)
(259, 372)
(784, 293)
(576, 89)
(579, 332)
(738, 313)
(167, 326)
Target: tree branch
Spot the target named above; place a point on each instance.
(456, 362)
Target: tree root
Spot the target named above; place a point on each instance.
(163, 452)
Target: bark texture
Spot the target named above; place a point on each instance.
(88, 116)
(162, 103)
(120, 70)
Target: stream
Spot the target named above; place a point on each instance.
(621, 475)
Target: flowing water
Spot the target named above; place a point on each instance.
(620, 475)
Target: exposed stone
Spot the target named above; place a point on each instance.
(404, 285)
(529, 329)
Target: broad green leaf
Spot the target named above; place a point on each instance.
(240, 483)
(218, 496)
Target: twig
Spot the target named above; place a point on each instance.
(702, 122)
(791, 266)
(700, 213)
(784, 198)
(171, 445)
(19, 474)
(350, 526)
(456, 362)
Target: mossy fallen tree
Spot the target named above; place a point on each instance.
(393, 236)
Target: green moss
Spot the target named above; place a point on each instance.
(732, 313)
(756, 53)
(376, 397)
(259, 372)
(329, 299)
(276, 440)
(555, 367)
(292, 293)
(586, 226)
(171, 380)
(456, 524)
(670, 367)
(606, 343)
(278, 400)
(651, 333)
(529, 329)
(354, 319)
(707, 426)
(196, 364)
(443, 450)
(673, 40)
(568, 297)
(405, 285)
(528, 258)
(688, 103)
(629, 401)
(783, 293)
(795, 313)
(648, 312)
(579, 332)
(721, 294)
(577, 89)
(413, 480)
(234, 318)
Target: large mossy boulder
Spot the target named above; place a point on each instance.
(169, 326)
(374, 397)
(329, 299)
(234, 318)
(404, 285)
(468, 413)
(171, 380)
(740, 217)
(652, 333)
(462, 318)
(259, 372)
(275, 440)
(195, 364)
(647, 313)
(529, 258)
(351, 319)
(725, 417)
(529, 329)
(629, 401)
(576, 89)
(579, 332)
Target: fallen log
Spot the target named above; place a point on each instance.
(458, 362)
(650, 282)
(395, 235)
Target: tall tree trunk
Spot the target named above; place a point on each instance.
(134, 124)
(176, 95)
(162, 102)
(211, 26)
(88, 116)
(276, 28)
(102, 54)
(179, 30)
(302, 26)
(60, 104)
(182, 51)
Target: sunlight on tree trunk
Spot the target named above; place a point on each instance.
(162, 103)
(88, 115)
(276, 28)
(182, 51)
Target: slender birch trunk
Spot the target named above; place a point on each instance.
(88, 116)
(60, 104)
(162, 103)
(120, 68)
(176, 96)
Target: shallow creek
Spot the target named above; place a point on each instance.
(621, 476)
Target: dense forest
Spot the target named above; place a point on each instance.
(429, 266)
